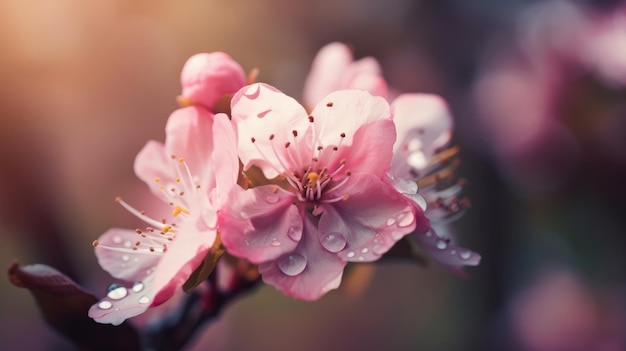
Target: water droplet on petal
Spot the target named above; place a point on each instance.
(144, 299)
(465, 254)
(453, 252)
(391, 221)
(105, 305)
(117, 239)
(333, 242)
(441, 245)
(295, 233)
(137, 287)
(405, 219)
(378, 249)
(136, 259)
(350, 254)
(272, 199)
(292, 264)
(275, 243)
(125, 258)
(117, 292)
(128, 244)
(361, 258)
(365, 250)
(244, 215)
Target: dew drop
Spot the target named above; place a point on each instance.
(292, 264)
(149, 271)
(350, 254)
(361, 258)
(333, 242)
(128, 244)
(295, 233)
(275, 243)
(441, 245)
(391, 221)
(465, 254)
(144, 299)
(365, 250)
(136, 259)
(125, 258)
(272, 199)
(117, 239)
(117, 292)
(105, 305)
(453, 252)
(137, 287)
(405, 219)
(378, 249)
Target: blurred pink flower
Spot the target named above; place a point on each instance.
(182, 173)
(332, 201)
(424, 128)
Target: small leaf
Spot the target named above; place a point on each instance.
(202, 272)
(64, 305)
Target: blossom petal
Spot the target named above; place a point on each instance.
(124, 302)
(123, 262)
(261, 111)
(371, 149)
(424, 124)
(346, 111)
(260, 224)
(225, 157)
(188, 135)
(182, 257)
(327, 68)
(206, 77)
(371, 220)
(446, 253)
(311, 270)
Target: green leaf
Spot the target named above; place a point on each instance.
(64, 305)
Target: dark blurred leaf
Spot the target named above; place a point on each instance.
(64, 305)
(206, 267)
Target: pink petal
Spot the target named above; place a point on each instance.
(327, 69)
(371, 220)
(152, 163)
(346, 111)
(445, 252)
(188, 134)
(261, 111)
(126, 264)
(259, 224)
(424, 124)
(307, 272)
(206, 77)
(124, 302)
(182, 257)
(224, 157)
(371, 149)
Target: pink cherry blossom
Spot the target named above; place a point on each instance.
(206, 77)
(423, 125)
(182, 173)
(329, 200)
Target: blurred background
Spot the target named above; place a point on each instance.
(538, 92)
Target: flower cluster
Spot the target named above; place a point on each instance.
(296, 193)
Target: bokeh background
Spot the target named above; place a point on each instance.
(537, 89)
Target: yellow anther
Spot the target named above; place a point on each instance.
(177, 180)
(157, 179)
(178, 210)
(166, 228)
(181, 160)
(313, 177)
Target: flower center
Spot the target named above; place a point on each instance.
(318, 178)
(181, 194)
